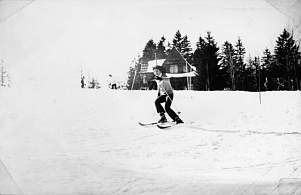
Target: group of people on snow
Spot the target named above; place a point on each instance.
(111, 83)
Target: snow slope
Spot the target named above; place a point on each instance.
(84, 141)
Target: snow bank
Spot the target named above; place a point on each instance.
(88, 141)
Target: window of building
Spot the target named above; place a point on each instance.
(185, 68)
(173, 69)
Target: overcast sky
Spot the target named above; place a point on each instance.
(46, 40)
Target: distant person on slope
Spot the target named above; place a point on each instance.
(112, 82)
(82, 81)
(165, 94)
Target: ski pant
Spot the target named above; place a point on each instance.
(168, 100)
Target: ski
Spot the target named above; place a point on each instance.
(159, 125)
(147, 124)
(166, 125)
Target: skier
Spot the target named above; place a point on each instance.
(82, 81)
(165, 94)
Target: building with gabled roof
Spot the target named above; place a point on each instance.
(176, 67)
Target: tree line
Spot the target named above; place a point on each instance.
(4, 76)
(228, 67)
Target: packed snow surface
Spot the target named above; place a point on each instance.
(83, 141)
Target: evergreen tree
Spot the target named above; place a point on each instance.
(214, 79)
(258, 69)
(149, 51)
(199, 63)
(177, 41)
(4, 76)
(267, 60)
(206, 59)
(161, 50)
(186, 49)
(254, 75)
(250, 72)
(286, 67)
(227, 65)
(182, 44)
(239, 65)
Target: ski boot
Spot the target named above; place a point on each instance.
(162, 119)
(178, 120)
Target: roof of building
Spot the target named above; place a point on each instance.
(174, 57)
(153, 63)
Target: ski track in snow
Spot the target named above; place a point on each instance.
(93, 144)
(247, 132)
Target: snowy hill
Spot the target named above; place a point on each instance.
(89, 142)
